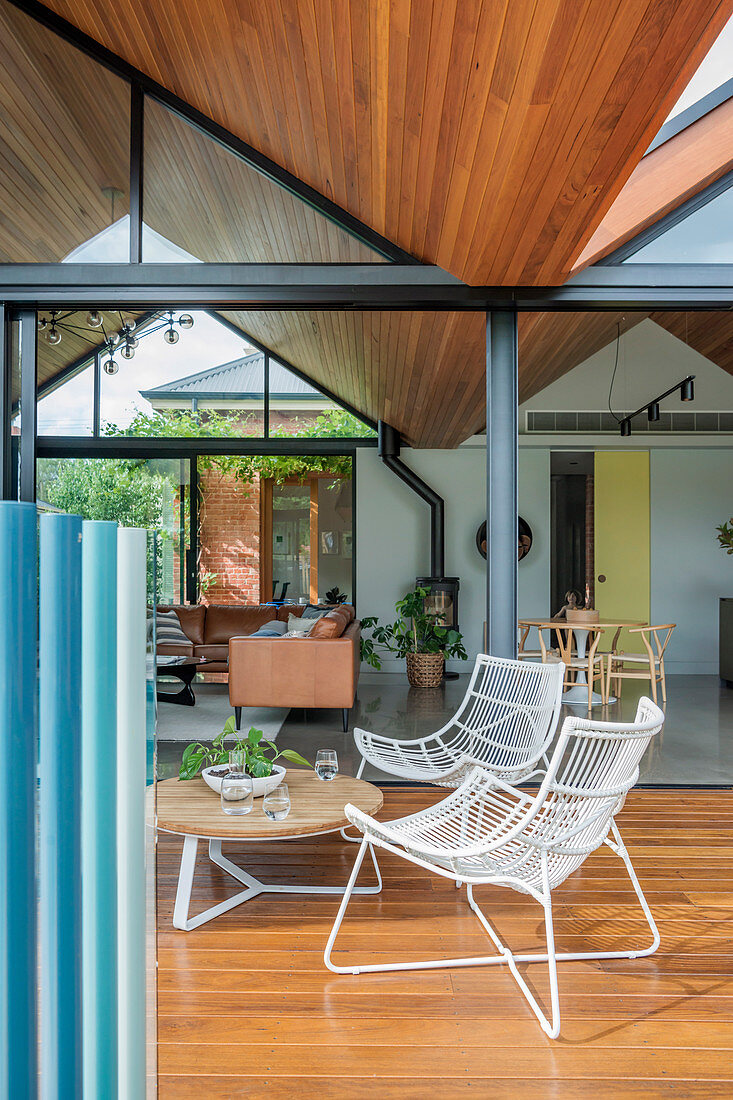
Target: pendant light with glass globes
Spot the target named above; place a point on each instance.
(126, 339)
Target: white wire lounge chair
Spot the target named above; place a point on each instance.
(488, 832)
(506, 723)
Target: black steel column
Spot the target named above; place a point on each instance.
(28, 408)
(137, 109)
(192, 563)
(501, 482)
(6, 372)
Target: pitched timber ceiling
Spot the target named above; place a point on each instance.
(486, 136)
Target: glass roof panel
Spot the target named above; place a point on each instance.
(716, 68)
(704, 237)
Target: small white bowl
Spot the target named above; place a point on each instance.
(260, 787)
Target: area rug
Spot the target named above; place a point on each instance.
(206, 719)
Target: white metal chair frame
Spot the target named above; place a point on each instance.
(505, 723)
(489, 832)
(654, 660)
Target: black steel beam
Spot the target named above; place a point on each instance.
(163, 447)
(220, 134)
(357, 286)
(502, 440)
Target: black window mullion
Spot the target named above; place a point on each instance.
(137, 117)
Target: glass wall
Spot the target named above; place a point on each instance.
(173, 374)
(149, 493)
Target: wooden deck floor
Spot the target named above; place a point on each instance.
(247, 1009)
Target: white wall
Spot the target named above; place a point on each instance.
(650, 361)
(690, 496)
(393, 533)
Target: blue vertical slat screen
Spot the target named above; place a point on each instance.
(131, 840)
(18, 754)
(60, 666)
(99, 807)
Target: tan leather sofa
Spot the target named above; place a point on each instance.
(295, 672)
(318, 671)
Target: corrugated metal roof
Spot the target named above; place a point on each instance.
(243, 377)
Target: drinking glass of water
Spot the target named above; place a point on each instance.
(327, 764)
(276, 804)
(236, 794)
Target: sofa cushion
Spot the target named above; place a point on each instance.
(191, 618)
(274, 629)
(225, 621)
(168, 629)
(212, 652)
(330, 625)
(298, 624)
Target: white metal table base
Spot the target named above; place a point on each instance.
(254, 886)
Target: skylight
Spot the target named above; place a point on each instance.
(716, 68)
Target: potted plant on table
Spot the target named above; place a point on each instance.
(420, 636)
(212, 762)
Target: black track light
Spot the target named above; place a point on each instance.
(687, 389)
(653, 411)
(626, 427)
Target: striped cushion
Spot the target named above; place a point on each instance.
(168, 630)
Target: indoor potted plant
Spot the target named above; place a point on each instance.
(417, 635)
(213, 763)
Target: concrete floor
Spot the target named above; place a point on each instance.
(695, 747)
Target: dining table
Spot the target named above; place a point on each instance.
(577, 694)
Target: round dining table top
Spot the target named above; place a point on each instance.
(603, 624)
(190, 807)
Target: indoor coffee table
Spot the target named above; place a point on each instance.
(192, 810)
(183, 669)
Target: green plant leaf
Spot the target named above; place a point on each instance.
(255, 736)
(294, 757)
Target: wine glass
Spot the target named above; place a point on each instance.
(276, 804)
(327, 764)
(236, 794)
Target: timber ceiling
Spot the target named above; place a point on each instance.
(487, 137)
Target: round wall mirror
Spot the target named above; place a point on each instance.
(524, 539)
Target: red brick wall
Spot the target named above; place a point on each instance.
(229, 538)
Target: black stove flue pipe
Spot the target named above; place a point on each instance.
(388, 447)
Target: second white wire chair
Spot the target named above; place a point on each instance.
(506, 723)
(489, 832)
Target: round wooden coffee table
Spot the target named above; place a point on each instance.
(193, 811)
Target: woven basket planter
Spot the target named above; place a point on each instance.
(424, 670)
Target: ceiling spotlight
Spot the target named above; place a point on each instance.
(128, 351)
(110, 366)
(94, 319)
(171, 336)
(653, 411)
(53, 335)
(687, 390)
(625, 427)
(185, 320)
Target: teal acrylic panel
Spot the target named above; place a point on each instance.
(60, 664)
(18, 754)
(99, 806)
